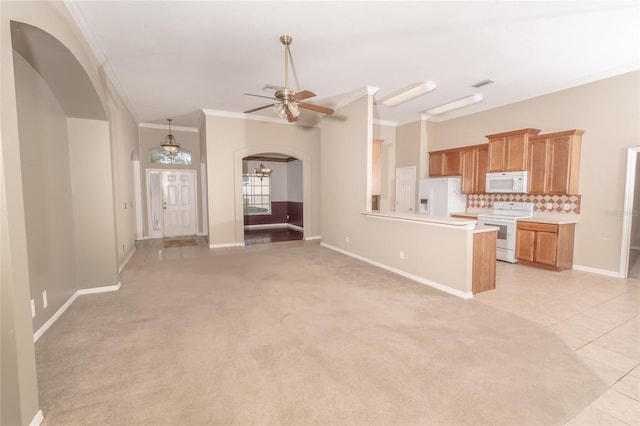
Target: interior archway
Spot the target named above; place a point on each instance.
(272, 193)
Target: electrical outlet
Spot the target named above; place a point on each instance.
(567, 206)
(45, 302)
(401, 255)
(33, 308)
(481, 203)
(548, 206)
(348, 239)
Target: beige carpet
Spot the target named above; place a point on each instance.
(179, 242)
(299, 336)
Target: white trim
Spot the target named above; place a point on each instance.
(98, 53)
(95, 290)
(275, 225)
(166, 127)
(37, 419)
(223, 245)
(385, 122)
(68, 303)
(313, 237)
(438, 286)
(122, 266)
(598, 271)
(137, 190)
(266, 226)
(632, 155)
(368, 90)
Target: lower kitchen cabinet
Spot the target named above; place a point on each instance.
(545, 245)
(483, 276)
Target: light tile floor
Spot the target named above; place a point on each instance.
(596, 316)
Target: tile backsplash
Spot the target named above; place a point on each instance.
(540, 201)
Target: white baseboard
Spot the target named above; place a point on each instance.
(598, 271)
(266, 226)
(37, 419)
(438, 286)
(127, 260)
(317, 237)
(68, 303)
(223, 245)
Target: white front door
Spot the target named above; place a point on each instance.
(179, 203)
(406, 189)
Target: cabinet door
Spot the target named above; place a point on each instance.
(453, 163)
(546, 248)
(468, 171)
(496, 155)
(525, 240)
(482, 160)
(516, 153)
(537, 166)
(436, 163)
(559, 156)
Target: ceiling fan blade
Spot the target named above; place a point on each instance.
(305, 94)
(290, 117)
(259, 108)
(259, 96)
(316, 108)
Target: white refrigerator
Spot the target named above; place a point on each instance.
(441, 196)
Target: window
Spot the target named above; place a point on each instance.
(256, 194)
(160, 156)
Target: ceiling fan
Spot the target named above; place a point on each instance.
(288, 100)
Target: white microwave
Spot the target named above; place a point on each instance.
(507, 182)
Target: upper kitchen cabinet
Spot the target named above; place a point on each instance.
(474, 168)
(554, 162)
(508, 151)
(447, 162)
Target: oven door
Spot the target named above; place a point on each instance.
(506, 231)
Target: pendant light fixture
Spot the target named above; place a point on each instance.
(262, 171)
(170, 145)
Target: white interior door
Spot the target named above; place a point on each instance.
(179, 203)
(406, 189)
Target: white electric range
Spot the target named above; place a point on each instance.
(504, 216)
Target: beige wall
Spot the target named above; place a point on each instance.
(27, 238)
(152, 138)
(434, 254)
(388, 166)
(608, 111)
(231, 139)
(96, 263)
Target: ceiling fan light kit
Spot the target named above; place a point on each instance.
(287, 101)
(460, 103)
(169, 144)
(408, 93)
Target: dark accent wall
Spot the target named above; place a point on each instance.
(279, 212)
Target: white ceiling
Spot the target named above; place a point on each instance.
(172, 59)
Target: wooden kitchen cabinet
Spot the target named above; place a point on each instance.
(509, 151)
(545, 245)
(554, 162)
(447, 162)
(474, 168)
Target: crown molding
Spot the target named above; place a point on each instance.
(367, 90)
(166, 127)
(98, 52)
(385, 122)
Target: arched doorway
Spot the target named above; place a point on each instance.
(273, 198)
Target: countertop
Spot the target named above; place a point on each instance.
(538, 217)
(432, 220)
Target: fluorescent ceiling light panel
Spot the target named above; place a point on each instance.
(469, 100)
(408, 93)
